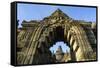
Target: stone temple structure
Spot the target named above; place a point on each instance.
(59, 54)
(36, 37)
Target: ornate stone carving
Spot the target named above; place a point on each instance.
(36, 37)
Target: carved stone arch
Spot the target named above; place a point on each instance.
(82, 43)
(47, 32)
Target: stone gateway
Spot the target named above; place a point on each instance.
(35, 38)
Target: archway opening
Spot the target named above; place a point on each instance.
(51, 53)
(60, 51)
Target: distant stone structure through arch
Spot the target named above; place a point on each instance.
(36, 37)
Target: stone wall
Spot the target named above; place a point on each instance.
(36, 37)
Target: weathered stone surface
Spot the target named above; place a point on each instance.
(36, 37)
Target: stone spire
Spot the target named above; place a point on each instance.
(59, 13)
(59, 54)
(59, 50)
